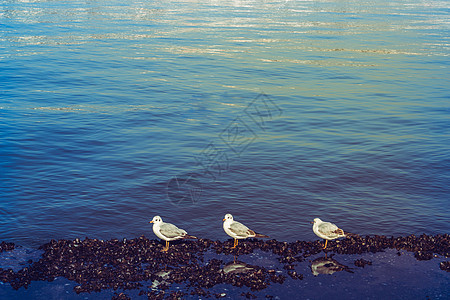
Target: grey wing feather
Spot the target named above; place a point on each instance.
(240, 229)
(329, 229)
(171, 231)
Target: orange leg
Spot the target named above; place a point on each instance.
(326, 241)
(235, 243)
(166, 248)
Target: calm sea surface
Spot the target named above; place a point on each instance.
(278, 112)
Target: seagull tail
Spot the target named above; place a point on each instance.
(258, 235)
(187, 236)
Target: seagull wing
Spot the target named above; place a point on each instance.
(241, 230)
(330, 230)
(171, 231)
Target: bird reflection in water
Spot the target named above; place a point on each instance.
(163, 276)
(237, 267)
(328, 266)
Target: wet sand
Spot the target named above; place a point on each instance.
(371, 267)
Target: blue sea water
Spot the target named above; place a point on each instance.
(278, 112)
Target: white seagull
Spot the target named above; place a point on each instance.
(328, 231)
(238, 230)
(168, 232)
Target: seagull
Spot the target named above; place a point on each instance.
(168, 232)
(328, 231)
(238, 230)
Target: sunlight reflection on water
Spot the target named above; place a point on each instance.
(103, 103)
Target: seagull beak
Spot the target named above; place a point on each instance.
(151, 221)
(312, 222)
(224, 219)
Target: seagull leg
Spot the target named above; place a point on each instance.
(166, 248)
(326, 241)
(235, 243)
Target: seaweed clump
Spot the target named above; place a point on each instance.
(6, 246)
(445, 265)
(122, 265)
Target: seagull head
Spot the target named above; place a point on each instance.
(228, 217)
(316, 221)
(156, 219)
